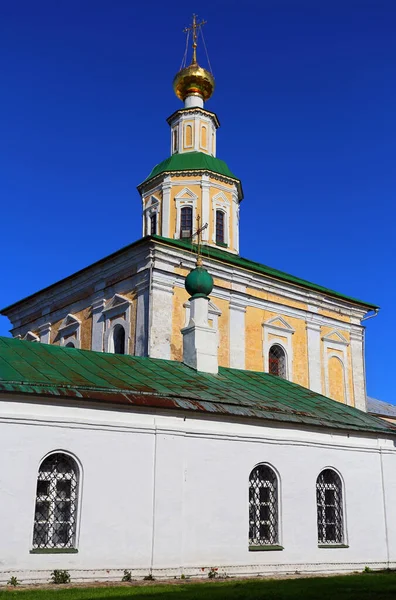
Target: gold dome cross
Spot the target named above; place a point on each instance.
(194, 27)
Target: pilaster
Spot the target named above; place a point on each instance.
(161, 308)
(142, 316)
(199, 339)
(97, 324)
(205, 185)
(45, 333)
(166, 194)
(237, 333)
(314, 361)
(358, 373)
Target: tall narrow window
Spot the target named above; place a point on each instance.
(186, 222)
(119, 339)
(189, 141)
(56, 503)
(277, 361)
(204, 137)
(153, 224)
(263, 507)
(175, 140)
(329, 507)
(219, 227)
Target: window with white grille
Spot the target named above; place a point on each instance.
(55, 516)
(263, 507)
(329, 508)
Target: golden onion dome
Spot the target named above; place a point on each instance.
(193, 81)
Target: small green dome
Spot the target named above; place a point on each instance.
(199, 283)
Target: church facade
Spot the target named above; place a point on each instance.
(176, 409)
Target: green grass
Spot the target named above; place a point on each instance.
(368, 586)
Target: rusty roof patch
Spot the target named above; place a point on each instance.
(43, 370)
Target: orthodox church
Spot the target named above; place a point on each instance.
(175, 408)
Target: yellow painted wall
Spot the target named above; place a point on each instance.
(336, 380)
(254, 339)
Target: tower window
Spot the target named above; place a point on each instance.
(186, 217)
(189, 140)
(175, 140)
(277, 361)
(204, 137)
(56, 503)
(263, 507)
(219, 227)
(329, 507)
(153, 224)
(119, 339)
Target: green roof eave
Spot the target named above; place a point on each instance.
(59, 373)
(250, 265)
(193, 161)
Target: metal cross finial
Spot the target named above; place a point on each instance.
(198, 233)
(194, 27)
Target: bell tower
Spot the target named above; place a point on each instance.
(193, 182)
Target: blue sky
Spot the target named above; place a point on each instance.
(306, 97)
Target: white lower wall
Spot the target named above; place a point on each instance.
(196, 473)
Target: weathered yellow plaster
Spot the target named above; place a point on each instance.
(224, 331)
(253, 339)
(336, 379)
(335, 315)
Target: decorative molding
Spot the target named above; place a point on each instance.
(70, 331)
(278, 326)
(31, 337)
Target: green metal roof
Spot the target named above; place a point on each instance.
(235, 259)
(35, 369)
(192, 161)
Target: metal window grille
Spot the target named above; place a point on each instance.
(153, 224)
(329, 507)
(186, 221)
(56, 503)
(219, 226)
(263, 507)
(277, 361)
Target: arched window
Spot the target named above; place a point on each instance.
(263, 507)
(119, 339)
(56, 503)
(175, 140)
(153, 224)
(219, 227)
(204, 137)
(70, 345)
(329, 507)
(277, 361)
(186, 214)
(188, 136)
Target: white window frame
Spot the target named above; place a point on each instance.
(181, 201)
(152, 207)
(221, 202)
(70, 331)
(118, 305)
(278, 326)
(278, 506)
(344, 541)
(75, 498)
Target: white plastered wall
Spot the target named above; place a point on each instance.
(169, 494)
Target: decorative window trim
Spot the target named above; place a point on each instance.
(72, 549)
(153, 206)
(70, 331)
(344, 530)
(340, 344)
(181, 201)
(30, 337)
(221, 202)
(118, 305)
(192, 125)
(271, 327)
(276, 543)
(204, 126)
